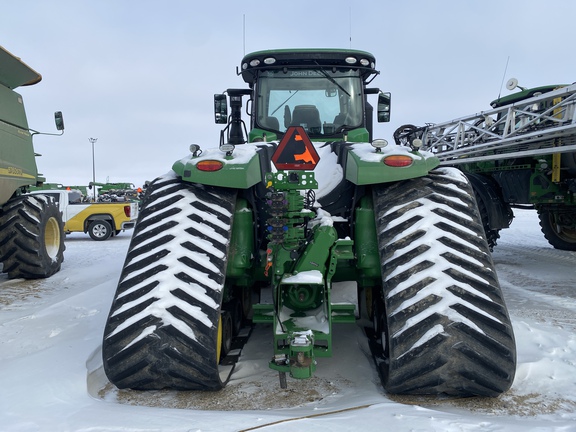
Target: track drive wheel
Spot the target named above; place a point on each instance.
(166, 327)
(234, 309)
(225, 335)
(446, 326)
(31, 237)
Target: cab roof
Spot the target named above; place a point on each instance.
(14, 72)
(307, 58)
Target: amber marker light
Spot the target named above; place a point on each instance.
(398, 161)
(209, 165)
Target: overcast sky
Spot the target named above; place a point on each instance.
(140, 75)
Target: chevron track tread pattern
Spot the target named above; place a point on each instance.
(447, 324)
(162, 327)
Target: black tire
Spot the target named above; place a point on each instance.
(492, 235)
(559, 236)
(31, 237)
(447, 327)
(100, 230)
(163, 327)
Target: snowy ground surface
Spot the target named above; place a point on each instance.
(50, 376)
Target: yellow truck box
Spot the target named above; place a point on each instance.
(99, 220)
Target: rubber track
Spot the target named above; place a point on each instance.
(448, 327)
(22, 244)
(162, 327)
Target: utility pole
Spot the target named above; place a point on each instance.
(93, 140)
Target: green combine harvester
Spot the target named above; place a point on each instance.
(31, 227)
(266, 228)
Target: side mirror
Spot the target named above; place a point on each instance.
(384, 103)
(220, 109)
(59, 120)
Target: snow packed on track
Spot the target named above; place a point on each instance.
(51, 376)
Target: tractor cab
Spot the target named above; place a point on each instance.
(323, 91)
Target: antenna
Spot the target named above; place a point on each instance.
(350, 24)
(244, 34)
(503, 77)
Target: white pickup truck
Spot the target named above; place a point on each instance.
(100, 220)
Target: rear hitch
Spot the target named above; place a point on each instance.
(299, 362)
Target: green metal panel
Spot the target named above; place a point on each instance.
(544, 191)
(12, 111)
(366, 241)
(257, 135)
(524, 94)
(242, 243)
(17, 157)
(365, 166)
(359, 135)
(240, 171)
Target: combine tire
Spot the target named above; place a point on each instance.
(166, 328)
(31, 237)
(444, 327)
(559, 236)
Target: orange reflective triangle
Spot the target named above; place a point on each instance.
(295, 151)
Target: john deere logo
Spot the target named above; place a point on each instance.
(295, 151)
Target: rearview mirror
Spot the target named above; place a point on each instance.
(59, 120)
(384, 103)
(220, 109)
(331, 92)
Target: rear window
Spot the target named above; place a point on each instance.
(74, 197)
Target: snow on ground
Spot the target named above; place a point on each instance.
(51, 377)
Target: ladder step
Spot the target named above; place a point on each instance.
(343, 313)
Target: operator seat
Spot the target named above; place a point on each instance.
(308, 117)
(271, 123)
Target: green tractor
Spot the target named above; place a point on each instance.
(268, 226)
(31, 227)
